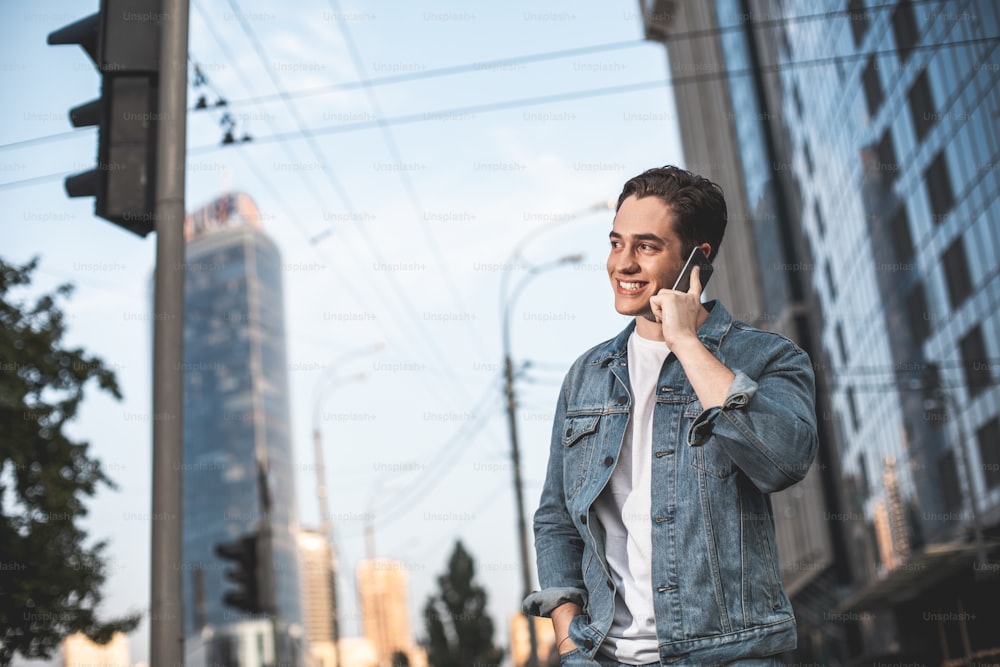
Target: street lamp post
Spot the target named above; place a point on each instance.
(515, 454)
(321, 494)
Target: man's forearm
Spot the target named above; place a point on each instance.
(709, 377)
(561, 617)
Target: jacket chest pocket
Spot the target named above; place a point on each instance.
(708, 457)
(578, 427)
(578, 437)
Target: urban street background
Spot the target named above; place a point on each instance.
(410, 161)
(503, 124)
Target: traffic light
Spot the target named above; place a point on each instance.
(246, 573)
(123, 40)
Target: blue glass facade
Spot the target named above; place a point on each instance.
(868, 149)
(238, 471)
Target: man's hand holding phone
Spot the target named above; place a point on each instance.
(678, 311)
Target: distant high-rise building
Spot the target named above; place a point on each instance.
(79, 651)
(858, 146)
(316, 570)
(385, 614)
(238, 471)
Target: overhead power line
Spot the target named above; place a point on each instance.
(441, 261)
(495, 64)
(442, 461)
(504, 105)
(500, 64)
(391, 278)
(522, 102)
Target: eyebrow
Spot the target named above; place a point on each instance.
(639, 237)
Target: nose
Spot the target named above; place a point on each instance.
(625, 261)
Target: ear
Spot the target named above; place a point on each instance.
(706, 248)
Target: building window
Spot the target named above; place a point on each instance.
(923, 113)
(938, 180)
(886, 152)
(873, 88)
(785, 45)
(956, 273)
(858, 18)
(807, 154)
(916, 313)
(902, 240)
(866, 488)
(951, 492)
(975, 365)
(831, 285)
(904, 29)
(841, 345)
(852, 409)
(797, 98)
(988, 437)
(818, 214)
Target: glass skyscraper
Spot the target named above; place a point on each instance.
(859, 145)
(238, 471)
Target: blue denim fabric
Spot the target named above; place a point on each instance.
(717, 590)
(577, 658)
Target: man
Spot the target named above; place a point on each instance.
(654, 535)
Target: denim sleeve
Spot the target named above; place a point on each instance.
(768, 425)
(558, 546)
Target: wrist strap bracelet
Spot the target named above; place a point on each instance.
(559, 645)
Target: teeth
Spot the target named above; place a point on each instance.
(628, 286)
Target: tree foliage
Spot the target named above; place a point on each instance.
(50, 580)
(459, 631)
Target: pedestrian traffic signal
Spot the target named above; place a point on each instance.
(123, 40)
(246, 573)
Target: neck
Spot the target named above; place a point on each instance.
(653, 330)
(647, 328)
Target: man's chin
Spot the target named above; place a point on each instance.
(636, 312)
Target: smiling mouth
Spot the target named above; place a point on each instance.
(630, 287)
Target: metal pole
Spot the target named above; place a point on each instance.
(515, 451)
(327, 530)
(324, 506)
(166, 639)
(522, 528)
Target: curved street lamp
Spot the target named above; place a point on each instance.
(326, 525)
(507, 303)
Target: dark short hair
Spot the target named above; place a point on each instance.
(697, 203)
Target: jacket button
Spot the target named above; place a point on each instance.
(588, 643)
(569, 432)
(622, 400)
(583, 518)
(608, 460)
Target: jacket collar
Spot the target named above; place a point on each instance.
(710, 333)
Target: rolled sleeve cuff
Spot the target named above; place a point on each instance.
(740, 392)
(541, 603)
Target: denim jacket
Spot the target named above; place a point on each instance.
(717, 589)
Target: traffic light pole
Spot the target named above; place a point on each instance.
(166, 607)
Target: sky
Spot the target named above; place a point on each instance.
(407, 158)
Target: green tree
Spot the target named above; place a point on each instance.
(459, 632)
(50, 581)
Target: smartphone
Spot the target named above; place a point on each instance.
(696, 258)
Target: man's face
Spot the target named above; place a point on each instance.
(645, 254)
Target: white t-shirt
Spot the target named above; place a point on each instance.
(623, 508)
